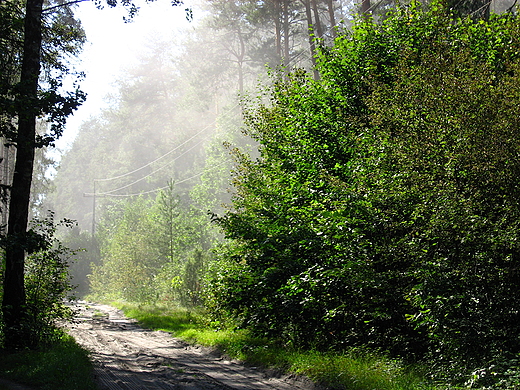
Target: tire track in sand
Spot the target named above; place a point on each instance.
(128, 357)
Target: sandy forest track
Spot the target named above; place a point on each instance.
(128, 357)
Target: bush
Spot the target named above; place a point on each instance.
(384, 207)
(47, 284)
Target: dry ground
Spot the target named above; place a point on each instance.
(128, 357)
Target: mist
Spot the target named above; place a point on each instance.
(148, 159)
(299, 181)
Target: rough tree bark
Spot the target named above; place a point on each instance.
(13, 304)
(317, 23)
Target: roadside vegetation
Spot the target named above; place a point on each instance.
(353, 370)
(364, 232)
(61, 365)
(380, 212)
(51, 359)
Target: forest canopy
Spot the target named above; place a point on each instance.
(381, 209)
(384, 209)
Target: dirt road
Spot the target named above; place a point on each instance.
(128, 357)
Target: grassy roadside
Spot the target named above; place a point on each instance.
(349, 371)
(64, 366)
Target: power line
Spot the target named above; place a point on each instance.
(161, 188)
(160, 157)
(486, 5)
(292, 60)
(111, 192)
(184, 143)
(153, 172)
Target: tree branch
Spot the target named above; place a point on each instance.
(63, 5)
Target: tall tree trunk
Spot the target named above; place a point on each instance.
(277, 29)
(13, 304)
(365, 8)
(317, 23)
(332, 17)
(312, 44)
(286, 33)
(240, 59)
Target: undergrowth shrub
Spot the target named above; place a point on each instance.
(47, 284)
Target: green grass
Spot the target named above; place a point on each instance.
(349, 371)
(63, 366)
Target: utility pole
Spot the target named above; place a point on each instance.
(94, 211)
(93, 195)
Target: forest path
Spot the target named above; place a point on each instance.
(128, 357)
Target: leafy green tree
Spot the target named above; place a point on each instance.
(193, 278)
(152, 249)
(28, 102)
(382, 210)
(129, 261)
(465, 200)
(168, 212)
(48, 283)
(186, 232)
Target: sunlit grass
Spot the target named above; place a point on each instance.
(163, 318)
(354, 371)
(358, 371)
(63, 366)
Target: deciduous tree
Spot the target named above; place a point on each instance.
(48, 35)
(30, 102)
(383, 209)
